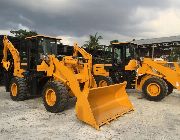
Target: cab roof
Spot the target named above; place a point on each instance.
(121, 43)
(44, 36)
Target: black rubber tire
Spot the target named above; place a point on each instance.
(1, 79)
(22, 89)
(100, 78)
(163, 88)
(62, 96)
(170, 88)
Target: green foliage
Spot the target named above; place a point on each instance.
(175, 54)
(93, 42)
(23, 33)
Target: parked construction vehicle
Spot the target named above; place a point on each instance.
(154, 78)
(1, 56)
(157, 78)
(111, 61)
(59, 78)
(100, 71)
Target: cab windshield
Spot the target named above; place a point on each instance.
(47, 46)
(123, 53)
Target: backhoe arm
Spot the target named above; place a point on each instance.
(15, 55)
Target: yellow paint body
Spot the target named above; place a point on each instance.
(153, 89)
(14, 89)
(16, 57)
(132, 65)
(95, 106)
(106, 103)
(160, 69)
(50, 97)
(99, 69)
(149, 69)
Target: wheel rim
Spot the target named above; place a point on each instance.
(50, 97)
(103, 83)
(14, 89)
(153, 89)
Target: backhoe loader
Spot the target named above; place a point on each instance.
(62, 77)
(155, 79)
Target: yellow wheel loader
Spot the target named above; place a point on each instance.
(155, 79)
(59, 78)
(101, 75)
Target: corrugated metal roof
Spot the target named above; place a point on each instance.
(158, 40)
(39, 35)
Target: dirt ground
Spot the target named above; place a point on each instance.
(150, 120)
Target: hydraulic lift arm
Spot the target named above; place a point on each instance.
(15, 55)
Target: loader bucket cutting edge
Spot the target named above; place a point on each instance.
(104, 104)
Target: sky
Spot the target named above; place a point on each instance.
(75, 20)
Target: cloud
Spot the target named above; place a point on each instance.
(6, 32)
(76, 19)
(70, 40)
(164, 23)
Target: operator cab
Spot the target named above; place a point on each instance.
(39, 47)
(122, 53)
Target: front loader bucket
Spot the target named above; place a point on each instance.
(103, 104)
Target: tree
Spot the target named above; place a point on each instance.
(175, 54)
(93, 42)
(23, 33)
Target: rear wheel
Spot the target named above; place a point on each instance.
(102, 81)
(55, 96)
(155, 89)
(170, 88)
(18, 89)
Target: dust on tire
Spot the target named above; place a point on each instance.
(62, 96)
(163, 88)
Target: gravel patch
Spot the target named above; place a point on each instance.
(150, 120)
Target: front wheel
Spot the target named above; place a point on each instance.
(155, 89)
(55, 96)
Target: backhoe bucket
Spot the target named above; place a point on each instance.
(103, 104)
